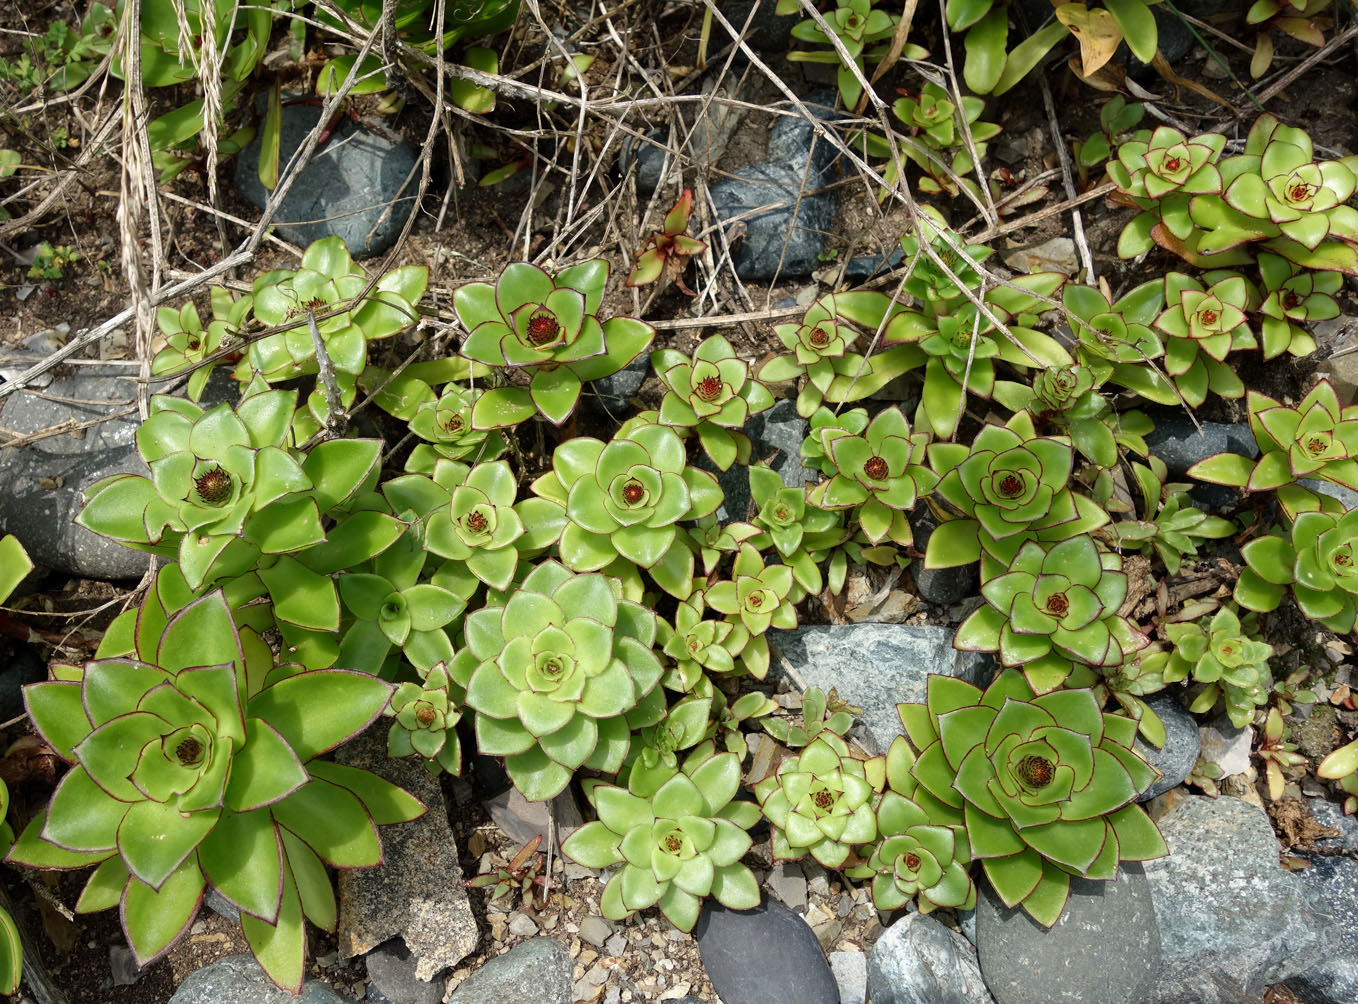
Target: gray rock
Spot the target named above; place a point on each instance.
(1178, 442)
(851, 973)
(939, 585)
(538, 970)
(1232, 921)
(1329, 813)
(776, 433)
(858, 269)
(650, 159)
(221, 906)
(1332, 881)
(919, 961)
(767, 955)
(391, 972)
(237, 979)
(1227, 746)
(417, 894)
(612, 395)
(877, 666)
(1347, 496)
(1183, 743)
(595, 930)
(345, 190)
(966, 920)
(787, 882)
(123, 965)
(1105, 947)
(522, 820)
(42, 517)
(784, 241)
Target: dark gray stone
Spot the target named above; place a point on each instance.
(1105, 947)
(1179, 443)
(869, 266)
(1183, 743)
(939, 585)
(537, 970)
(649, 158)
(1334, 979)
(919, 961)
(22, 666)
(612, 395)
(767, 955)
(123, 966)
(767, 32)
(391, 972)
(1232, 920)
(351, 180)
(1347, 496)
(776, 433)
(785, 241)
(43, 517)
(877, 666)
(237, 979)
(220, 905)
(1329, 813)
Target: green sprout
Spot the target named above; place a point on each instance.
(667, 251)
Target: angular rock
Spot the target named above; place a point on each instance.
(20, 664)
(612, 395)
(939, 585)
(346, 189)
(767, 955)
(391, 971)
(870, 266)
(851, 973)
(876, 666)
(1180, 444)
(767, 33)
(417, 894)
(522, 820)
(1232, 920)
(1183, 743)
(237, 979)
(788, 883)
(919, 961)
(595, 930)
(786, 240)
(1332, 881)
(1105, 947)
(1227, 746)
(44, 480)
(538, 970)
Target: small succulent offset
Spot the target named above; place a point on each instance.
(802, 533)
(936, 126)
(678, 844)
(1046, 784)
(1293, 297)
(1201, 326)
(821, 712)
(1167, 522)
(1317, 559)
(1116, 338)
(857, 26)
(522, 872)
(699, 645)
(1159, 173)
(547, 325)
(1226, 655)
(922, 853)
(192, 766)
(756, 596)
(820, 801)
(425, 722)
(880, 475)
(1068, 401)
(559, 676)
(188, 343)
(714, 394)
(668, 250)
(446, 427)
(1277, 753)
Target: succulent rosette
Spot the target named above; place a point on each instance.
(1168, 161)
(559, 676)
(1318, 558)
(547, 323)
(1046, 784)
(677, 845)
(1061, 600)
(446, 427)
(756, 593)
(882, 473)
(625, 498)
(922, 853)
(711, 393)
(1201, 327)
(699, 645)
(823, 331)
(802, 533)
(820, 801)
(1226, 655)
(425, 721)
(1293, 298)
(480, 527)
(1011, 485)
(191, 765)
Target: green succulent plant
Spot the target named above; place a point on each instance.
(699, 645)
(626, 498)
(14, 568)
(1046, 784)
(880, 475)
(188, 343)
(713, 394)
(1166, 521)
(820, 801)
(559, 675)
(1224, 653)
(1317, 559)
(858, 26)
(802, 533)
(668, 250)
(1293, 297)
(446, 427)
(1068, 401)
(1116, 339)
(1159, 172)
(757, 596)
(821, 712)
(225, 489)
(1316, 439)
(1009, 486)
(922, 852)
(547, 325)
(1201, 326)
(424, 722)
(1054, 604)
(192, 766)
(677, 845)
